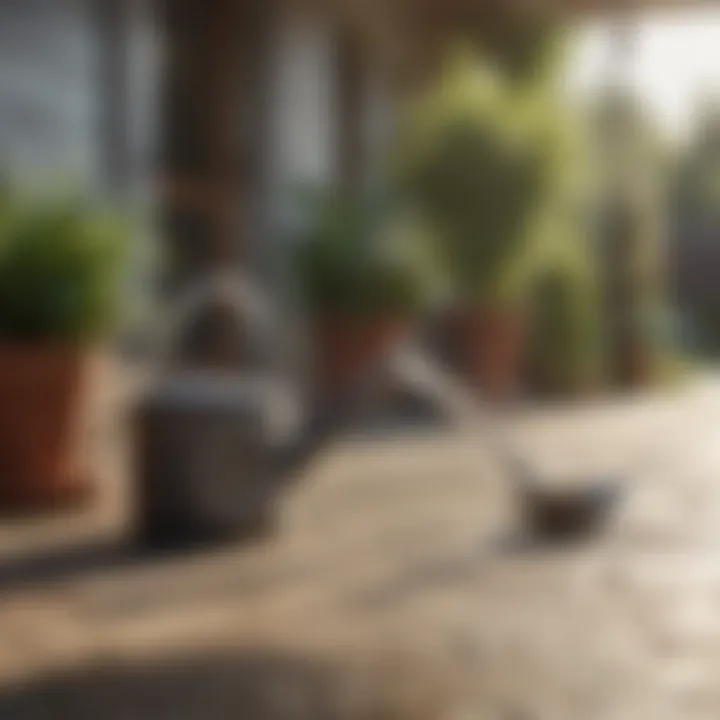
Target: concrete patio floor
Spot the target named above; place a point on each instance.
(394, 556)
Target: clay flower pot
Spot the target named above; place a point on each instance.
(41, 404)
(347, 347)
(552, 382)
(635, 367)
(489, 347)
(546, 383)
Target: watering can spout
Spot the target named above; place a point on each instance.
(290, 461)
(289, 455)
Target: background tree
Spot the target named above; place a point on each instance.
(695, 204)
(631, 159)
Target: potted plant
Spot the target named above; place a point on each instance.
(59, 273)
(479, 161)
(364, 275)
(633, 219)
(565, 338)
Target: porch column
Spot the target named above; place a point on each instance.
(208, 130)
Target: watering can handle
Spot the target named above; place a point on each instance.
(236, 291)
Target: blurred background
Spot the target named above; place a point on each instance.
(275, 277)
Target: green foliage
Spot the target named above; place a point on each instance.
(481, 159)
(633, 193)
(565, 345)
(60, 271)
(359, 259)
(632, 202)
(529, 47)
(629, 148)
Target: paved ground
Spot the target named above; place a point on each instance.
(394, 579)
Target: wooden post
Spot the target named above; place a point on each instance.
(210, 167)
(203, 143)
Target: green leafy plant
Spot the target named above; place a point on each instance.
(632, 205)
(356, 258)
(529, 46)
(480, 159)
(61, 267)
(565, 339)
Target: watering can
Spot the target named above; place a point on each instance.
(215, 448)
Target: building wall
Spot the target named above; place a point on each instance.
(378, 125)
(302, 121)
(52, 92)
(46, 89)
(305, 110)
(54, 95)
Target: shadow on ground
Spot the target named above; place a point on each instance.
(53, 564)
(252, 685)
(93, 557)
(85, 559)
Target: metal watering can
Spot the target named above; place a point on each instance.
(214, 448)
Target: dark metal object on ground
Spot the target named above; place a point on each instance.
(568, 514)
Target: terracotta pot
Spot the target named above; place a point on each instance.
(488, 346)
(553, 379)
(635, 367)
(41, 402)
(546, 383)
(347, 347)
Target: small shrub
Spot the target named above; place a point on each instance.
(481, 159)
(565, 353)
(357, 259)
(60, 272)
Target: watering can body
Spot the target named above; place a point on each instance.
(211, 444)
(209, 457)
